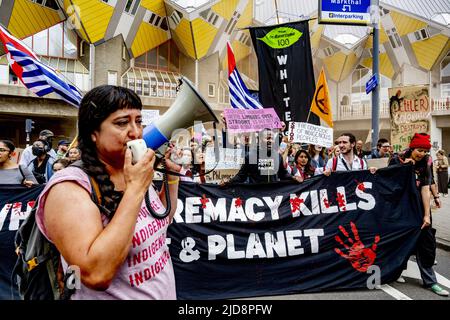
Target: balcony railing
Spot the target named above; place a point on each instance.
(360, 111)
(151, 83)
(440, 106)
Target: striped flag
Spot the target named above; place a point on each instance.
(35, 75)
(240, 97)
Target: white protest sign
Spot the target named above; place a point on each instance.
(148, 116)
(228, 159)
(309, 133)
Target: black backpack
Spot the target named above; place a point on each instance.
(38, 271)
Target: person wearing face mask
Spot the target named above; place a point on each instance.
(41, 165)
(27, 154)
(62, 149)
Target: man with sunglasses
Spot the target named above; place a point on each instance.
(382, 151)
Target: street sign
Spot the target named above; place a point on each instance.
(344, 12)
(371, 84)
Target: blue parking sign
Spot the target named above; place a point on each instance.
(355, 12)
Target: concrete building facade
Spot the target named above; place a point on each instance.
(148, 45)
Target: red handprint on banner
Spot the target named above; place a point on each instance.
(360, 257)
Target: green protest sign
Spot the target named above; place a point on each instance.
(281, 38)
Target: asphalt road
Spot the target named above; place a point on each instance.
(411, 290)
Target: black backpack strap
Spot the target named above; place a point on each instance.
(21, 172)
(96, 194)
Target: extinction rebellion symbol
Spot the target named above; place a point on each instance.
(320, 102)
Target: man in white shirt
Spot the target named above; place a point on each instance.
(347, 159)
(27, 154)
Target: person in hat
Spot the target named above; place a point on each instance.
(62, 149)
(42, 165)
(417, 155)
(27, 154)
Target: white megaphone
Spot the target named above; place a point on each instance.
(188, 107)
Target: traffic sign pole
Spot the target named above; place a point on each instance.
(375, 71)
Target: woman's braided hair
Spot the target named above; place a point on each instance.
(95, 107)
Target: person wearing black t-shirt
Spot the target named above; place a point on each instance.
(417, 154)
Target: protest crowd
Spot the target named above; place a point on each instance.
(294, 163)
(119, 203)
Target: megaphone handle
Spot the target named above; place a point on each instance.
(166, 194)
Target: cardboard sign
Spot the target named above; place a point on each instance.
(377, 163)
(240, 120)
(410, 113)
(218, 176)
(309, 133)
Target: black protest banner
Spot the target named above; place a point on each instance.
(286, 74)
(16, 202)
(349, 230)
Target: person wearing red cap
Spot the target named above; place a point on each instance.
(417, 154)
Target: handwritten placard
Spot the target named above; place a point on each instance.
(239, 120)
(309, 133)
(410, 113)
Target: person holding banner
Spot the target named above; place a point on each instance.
(10, 172)
(106, 240)
(303, 168)
(262, 164)
(347, 159)
(417, 155)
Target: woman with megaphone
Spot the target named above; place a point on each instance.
(106, 239)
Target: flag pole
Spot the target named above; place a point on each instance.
(276, 11)
(309, 113)
(74, 142)
(310, 106)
